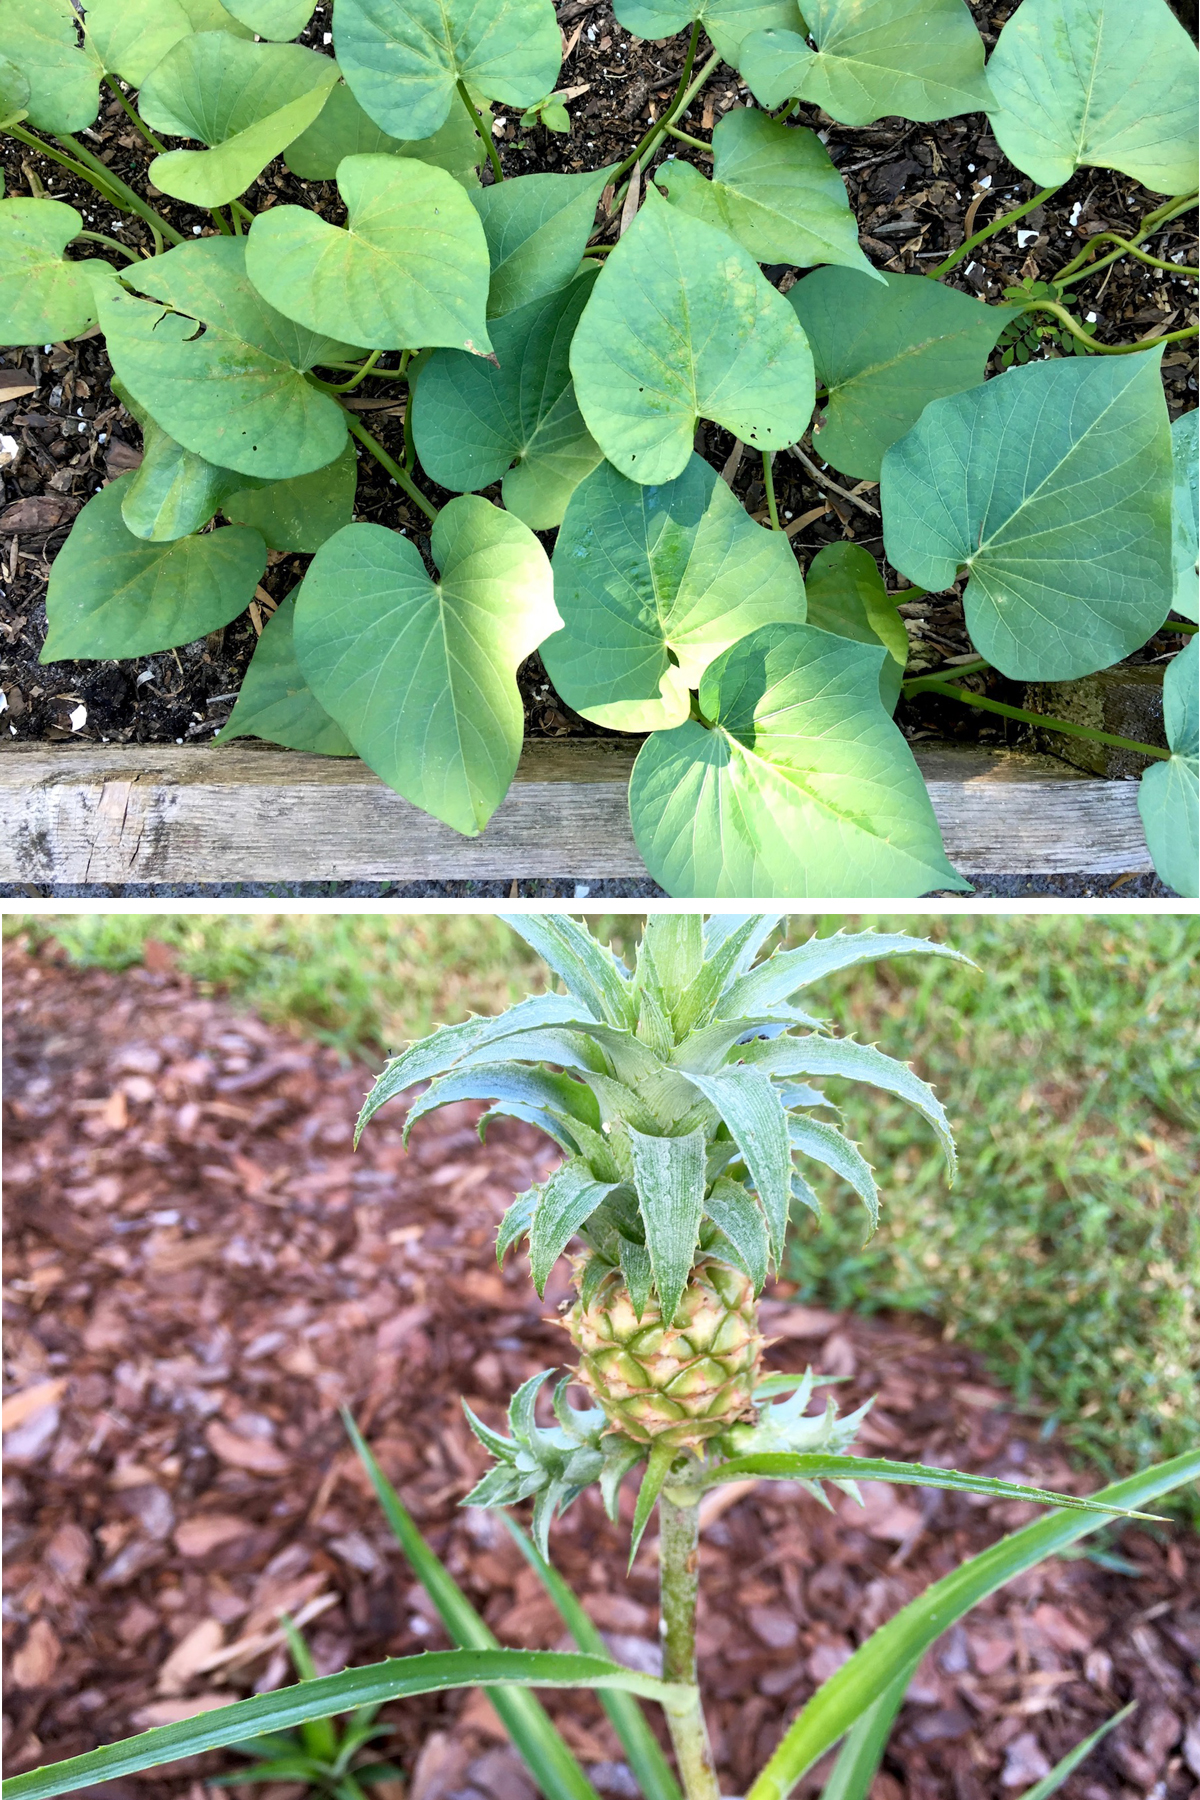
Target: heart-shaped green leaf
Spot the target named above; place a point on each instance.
(421, 675)
(403, 58)
(727, 22)
(846, 595)
(802, 785)
(247, 101)
(218, 368)
(1109, 84)
(681, 326)
(1185, 515)
(300, 514)
(921, 59)
(210, 15)
(1169, 795)
(537, 227)
(131, 37)
(114, 595)
(774, 189)
(1052, 484)
(410, 269)
(653, 583)
(275, 701)
(884, 352)
(342, 128)
(41, 39)
(474, 422)
(14, 98)
(279, 19)
(43, 297)
(173, 492)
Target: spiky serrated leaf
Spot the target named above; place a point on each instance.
(811, 1055)
(532, 1115)
(725, 948)
(825, 1144)
(586, 968)
(784, 1466)
(494, 1442)
(516, 1221)
(669, 1174)
(785, 973)
(505, 1081)
(740, 1218)
(753, 1111)
(568, 1200)
(658, 1467)
(636, 1271)
(802, 1192)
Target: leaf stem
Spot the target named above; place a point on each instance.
(127, 200)
(220, 221)
(236, 207)
(919, 683)
(1079, 266)
(656, 130)
(696, 143)
(98, 237)
(1076, 330)
(343, 387)
(1067, 726)
(67, 162)
(1129, 249)
(485, 136)
(679, 1581)
(769, 484)
(400, 476)
(1008, 218)
(139, 124)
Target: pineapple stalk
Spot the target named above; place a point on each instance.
(678, 1581)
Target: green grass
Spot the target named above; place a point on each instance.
(1069, 1251)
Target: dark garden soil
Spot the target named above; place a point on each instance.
(917, 190)
(200, 1271)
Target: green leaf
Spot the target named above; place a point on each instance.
(787, 971)
(846, 596)
(276, 703)
(14, 100)
(554, 1093)
(396, 1679)
(864, 1744)
(409, 270)
(900, 1643)
(1051, 1783)
(40, 38)
(681, 326)
(1169, 794)
(669, 1174)
(537, 228)
(421, 675)
(650, 1767)
(246, 101)
(921, 59)
(658, 1467)
(233, 391)
(131, 37)
(785, 1465)
(586, 968)
(273, 18)
(115, 595)
(549, 1761)
(474, 422)
(1107, 84)
(730, 1207)
(813, 1055)
(727, 22)
(1052, 484)
(653, 583)
(825, 1144)
(802, 786)
(43, 297)
(172, 491)
(403, 58)
(884, 352)
(210, 15)
(775, 190)
(569, 1199)
(753, 1111)
(300, 514)
(1185, 514)
(342, 128)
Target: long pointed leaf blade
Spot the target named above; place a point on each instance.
(754, 1113)
(825, 1144)
(722, 926)
(812, 1055)
(787, 1465)
(669, 1174)
(658, 1467)
(866, 1741)
(728, 939)
(641, 1747)
(1051, 1783)
(589, 971)
(783, 974)
(569, 1199)
(739, 1217)
(905, 1638)
(507, 1081)
(536, 1738)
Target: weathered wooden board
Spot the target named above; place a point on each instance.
(150, 813)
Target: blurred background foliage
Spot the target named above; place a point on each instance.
(1069, 1060)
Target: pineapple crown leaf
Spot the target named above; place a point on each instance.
(589, 971)
(567, 1201)
(784, 974)
(658, 1467)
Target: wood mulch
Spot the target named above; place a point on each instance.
(917, 191)
(199, 1272)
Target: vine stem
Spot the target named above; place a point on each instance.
(127, 200)
(1064, 318)
(769, 484)
(485, 136)
(684, 138)
(139, 124)
(399, 476)
(343, 387)
(679, 1581)
(980, 237)
(1074, 272)
(1079, 266)
(672, 112)
(1067, 726)
(98, 237)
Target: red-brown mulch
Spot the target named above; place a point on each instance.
(200, 1270)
